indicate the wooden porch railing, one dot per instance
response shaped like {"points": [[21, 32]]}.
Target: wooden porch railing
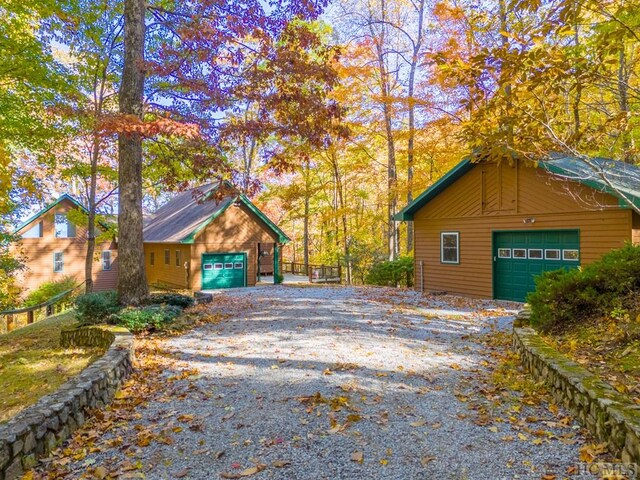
{"points": [[20, 317], [316, 273]]}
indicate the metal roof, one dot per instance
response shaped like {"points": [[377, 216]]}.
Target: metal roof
{"points": [[620, 179], [188, 213]]}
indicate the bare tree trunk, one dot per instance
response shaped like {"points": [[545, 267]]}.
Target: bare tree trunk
{"points": [[343, 211], [623, 102], [91, 220], [305, 231], [132, 281], [417, 47], [504, 28], [392, 180]]}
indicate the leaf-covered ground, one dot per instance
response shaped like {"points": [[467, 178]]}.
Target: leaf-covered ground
{"points": [[33, 364], [609, 347], [335, 383]]}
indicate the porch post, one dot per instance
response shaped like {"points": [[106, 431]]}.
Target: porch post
{"points": [[276, 264]]}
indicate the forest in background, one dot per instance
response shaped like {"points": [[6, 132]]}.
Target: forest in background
{"points": [[331, 117]]}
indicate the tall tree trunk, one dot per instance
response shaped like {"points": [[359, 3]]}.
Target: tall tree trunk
{"points": [[508, 126], [132, 281], [417, 47], [305, 231], [385, 91], [343, 212], [623, 102], [91, 220]]}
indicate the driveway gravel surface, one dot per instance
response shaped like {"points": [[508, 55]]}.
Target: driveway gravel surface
{"points": [[341, 383]]}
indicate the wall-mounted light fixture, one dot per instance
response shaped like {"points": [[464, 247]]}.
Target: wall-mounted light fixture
{"points": [[529, 220]]}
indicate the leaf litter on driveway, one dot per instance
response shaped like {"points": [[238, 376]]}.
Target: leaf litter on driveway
{"points": [[328, 382]]}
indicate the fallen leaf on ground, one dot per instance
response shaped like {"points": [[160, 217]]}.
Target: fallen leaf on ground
{"points": [[357, 456], [281, 463], [183, 473], [426, 460]]}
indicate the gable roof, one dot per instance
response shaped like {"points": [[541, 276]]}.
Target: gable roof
{"points": [[183, 217], [41, 212], [603, 174]]}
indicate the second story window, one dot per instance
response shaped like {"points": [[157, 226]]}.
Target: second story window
{"points": [[63, 227], [34, 232]]}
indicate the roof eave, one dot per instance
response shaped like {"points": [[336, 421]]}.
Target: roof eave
{"points": [[407, 213], [49, 207]]}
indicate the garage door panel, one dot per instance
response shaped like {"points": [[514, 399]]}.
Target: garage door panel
{"points": [[223, 270], [519, 257]]}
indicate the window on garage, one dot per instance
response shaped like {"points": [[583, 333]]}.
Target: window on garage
{"points": [[449, 247]]}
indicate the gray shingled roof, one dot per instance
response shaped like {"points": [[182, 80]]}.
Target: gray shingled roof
{"points": [[182, 215]]}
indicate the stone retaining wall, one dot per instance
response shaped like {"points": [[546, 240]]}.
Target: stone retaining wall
{"points": [[42, 427], [610, 416]]}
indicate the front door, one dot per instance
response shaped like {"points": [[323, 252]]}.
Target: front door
{"points": [[223, 270], [518, 257]]}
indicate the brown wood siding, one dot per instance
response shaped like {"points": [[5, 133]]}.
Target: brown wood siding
{"points": [[236, 230], [635, 224], [603, 225], [168, 274], [39, 255]]}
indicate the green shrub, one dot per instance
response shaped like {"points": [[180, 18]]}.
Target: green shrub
{"points": [[392, 273], [48, 290], [175, 299], [565, 298], [152, 317], [96, 307]]}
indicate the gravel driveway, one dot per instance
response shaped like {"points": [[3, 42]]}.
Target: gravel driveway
{"points": [[344, 383]]}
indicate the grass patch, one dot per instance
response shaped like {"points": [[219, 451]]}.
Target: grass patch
{"points": [[33, 364]]}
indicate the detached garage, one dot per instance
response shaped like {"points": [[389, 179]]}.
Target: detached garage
{"points": [[487, 230], [204, 239]]}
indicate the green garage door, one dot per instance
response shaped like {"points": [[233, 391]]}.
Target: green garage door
{"points": [[223, 270], [519, 256]]}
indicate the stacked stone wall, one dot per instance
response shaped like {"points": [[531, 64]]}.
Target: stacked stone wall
{"points": [[45, 425]]}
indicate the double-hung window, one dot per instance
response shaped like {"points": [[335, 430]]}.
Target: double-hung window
{"points": [[178, 258], [63, 227], [450, 247], [58, 262], [106, 260], [167, 257]]}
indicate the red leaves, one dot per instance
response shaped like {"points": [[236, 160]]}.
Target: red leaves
{"points": [[132, 125]]}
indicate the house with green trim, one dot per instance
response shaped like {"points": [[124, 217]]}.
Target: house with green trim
{"points": [[487, 229], [204, 238]]}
